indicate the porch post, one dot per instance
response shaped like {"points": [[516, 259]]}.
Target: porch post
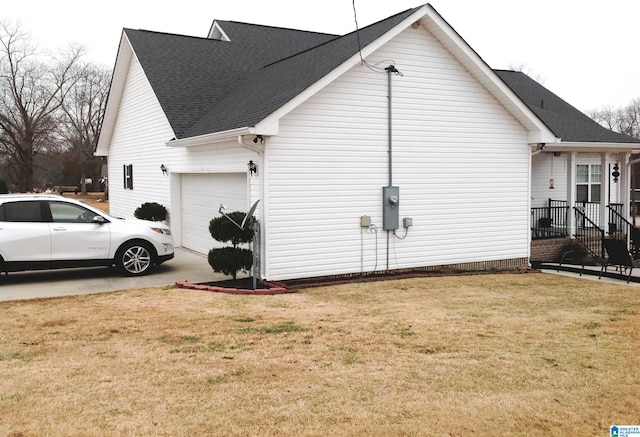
{"points": [[571, 193], [624, 184], [605, 178]]}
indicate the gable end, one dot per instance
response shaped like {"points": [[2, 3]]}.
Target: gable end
{"points": [[217, 33]]}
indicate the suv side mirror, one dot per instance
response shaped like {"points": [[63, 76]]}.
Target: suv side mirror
{"points": [[98, 219]]}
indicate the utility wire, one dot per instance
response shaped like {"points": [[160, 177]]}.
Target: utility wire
{"points": [[355, 18], [365, 63]]}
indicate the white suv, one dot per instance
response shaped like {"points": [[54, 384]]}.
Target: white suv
{"points": [[47, 232]]}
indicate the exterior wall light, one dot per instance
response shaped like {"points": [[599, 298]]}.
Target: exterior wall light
{"points": [[253, 168]]}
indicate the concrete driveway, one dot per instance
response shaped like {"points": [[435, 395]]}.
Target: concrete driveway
{"points": [[186, 265]]}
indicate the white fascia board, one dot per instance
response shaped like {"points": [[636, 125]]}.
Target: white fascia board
{"points": [[593, 147], [267, 127], [221, 137], [538, 131], [341, 69], [118, 79], [536, 137], [212, 138]]}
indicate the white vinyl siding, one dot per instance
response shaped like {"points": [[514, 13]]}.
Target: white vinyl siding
{"points": [[139, 139], [460, 160], [547, 166]]}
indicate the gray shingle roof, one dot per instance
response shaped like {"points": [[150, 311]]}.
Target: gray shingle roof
{"points": [[270, 87], [191, 75], [564, 120], [206, 85]]}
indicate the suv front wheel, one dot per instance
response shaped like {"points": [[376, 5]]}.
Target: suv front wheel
{"points": [[134, 258]]}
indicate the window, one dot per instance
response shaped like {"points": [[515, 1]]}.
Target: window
{"points": [[588, 183], [68, 213], [21, 212], [128, 176]]}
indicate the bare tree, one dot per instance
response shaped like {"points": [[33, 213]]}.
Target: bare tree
{"points": [[624, 120], [84, 108], [31, 94]]}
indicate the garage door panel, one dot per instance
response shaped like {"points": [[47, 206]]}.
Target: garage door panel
{"points": [[202, 195]]}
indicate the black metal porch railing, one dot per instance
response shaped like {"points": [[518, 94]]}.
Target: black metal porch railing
{"points": [[588, 233], [549, 221], [591, 210], [620, 228]]}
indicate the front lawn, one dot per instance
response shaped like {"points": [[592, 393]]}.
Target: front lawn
{"points": [[523, 354]]}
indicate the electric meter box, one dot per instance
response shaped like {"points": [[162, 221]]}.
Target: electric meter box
{"points": [[390, 208]]}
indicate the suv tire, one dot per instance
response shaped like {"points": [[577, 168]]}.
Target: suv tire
{"points": [[135, 258]]}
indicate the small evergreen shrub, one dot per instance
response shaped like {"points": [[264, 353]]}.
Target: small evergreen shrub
{"points": [[4, 189], [223, 230], [151, 211], [230, 260]]}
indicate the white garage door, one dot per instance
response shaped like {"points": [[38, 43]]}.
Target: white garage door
{"points": [[202, 195]]}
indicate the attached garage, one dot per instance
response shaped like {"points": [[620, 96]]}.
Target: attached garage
{"points": [[202, 195]]}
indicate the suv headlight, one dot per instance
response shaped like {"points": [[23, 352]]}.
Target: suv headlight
{"points": [[161, 231]]}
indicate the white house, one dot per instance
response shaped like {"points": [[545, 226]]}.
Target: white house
{"points": [[395, 147]]}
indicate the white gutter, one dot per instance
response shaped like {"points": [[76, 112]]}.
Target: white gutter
{"points": [[592, 147], [212, 138]]}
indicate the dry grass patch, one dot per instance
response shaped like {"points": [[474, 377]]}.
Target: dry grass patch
{"points": [[485, 355], [97, 200]]}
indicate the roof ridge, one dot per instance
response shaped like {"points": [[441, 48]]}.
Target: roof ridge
{"points": [[339, 37], [274, 27], [204, 38]]}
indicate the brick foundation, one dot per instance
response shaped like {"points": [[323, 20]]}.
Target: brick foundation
{"points": [[502, 264], [549, 249]]}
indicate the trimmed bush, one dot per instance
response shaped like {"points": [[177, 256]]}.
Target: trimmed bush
{"points": [[229, 260], [151, 211], [223, 230]]}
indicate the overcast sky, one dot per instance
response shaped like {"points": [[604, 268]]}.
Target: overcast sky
{"points": [[586, 51]]}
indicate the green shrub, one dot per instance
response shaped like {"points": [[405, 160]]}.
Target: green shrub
{"points": [[223, 230], [4, 188], [229, 260], [151, 211]]}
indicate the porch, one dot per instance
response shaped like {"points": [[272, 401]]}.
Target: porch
{"points": [[586, 224]]}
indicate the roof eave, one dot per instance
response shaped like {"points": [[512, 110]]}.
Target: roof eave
{"points": [[593, 147], [213, 138]]}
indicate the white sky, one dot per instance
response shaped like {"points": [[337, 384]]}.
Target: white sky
{"points": [[586, 51]]}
